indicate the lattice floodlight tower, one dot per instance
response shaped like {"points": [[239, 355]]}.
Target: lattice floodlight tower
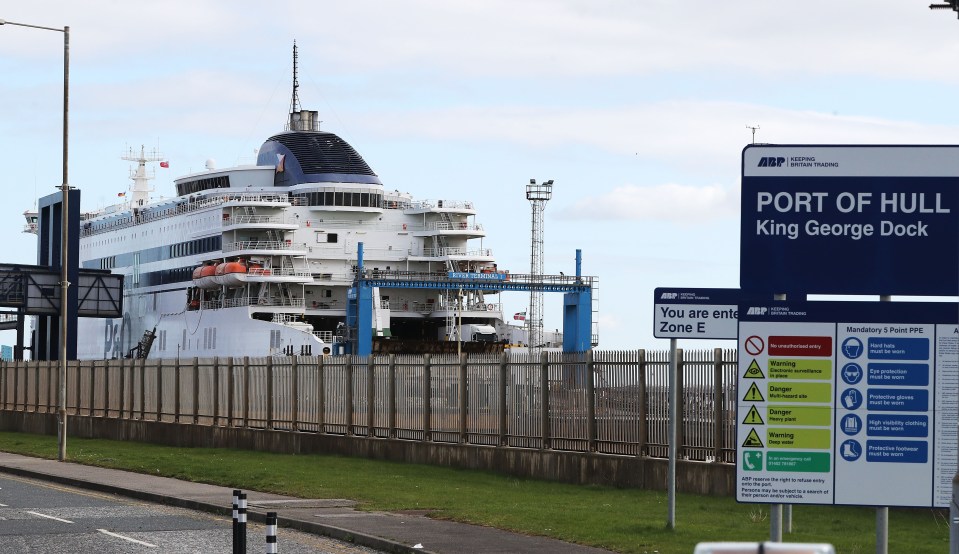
{"points": [[537, 195]]}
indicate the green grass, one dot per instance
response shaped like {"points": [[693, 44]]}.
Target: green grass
{"points": [[623, 520]]}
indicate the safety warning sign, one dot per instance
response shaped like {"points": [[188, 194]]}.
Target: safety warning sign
{"points": [[844, 398]]}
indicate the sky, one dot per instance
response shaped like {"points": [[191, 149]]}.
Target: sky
{"points": [[638, 111]]}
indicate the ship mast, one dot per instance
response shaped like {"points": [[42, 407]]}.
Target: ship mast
{"points": [[300, 119], [140, 191]]}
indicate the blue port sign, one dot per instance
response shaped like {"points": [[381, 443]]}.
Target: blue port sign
{"points": [[850, 219]]}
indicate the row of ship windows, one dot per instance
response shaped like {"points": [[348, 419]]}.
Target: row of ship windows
{"points": [[158, 253], [331, 198]]}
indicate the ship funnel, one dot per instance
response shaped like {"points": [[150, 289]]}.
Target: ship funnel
{"points": [[304, 120]]}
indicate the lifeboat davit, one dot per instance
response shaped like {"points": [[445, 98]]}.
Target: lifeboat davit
{"points": [[231, 274], [204, 276]]}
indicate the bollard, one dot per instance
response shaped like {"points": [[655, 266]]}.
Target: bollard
{"points": [[241, 522], [236, 523], [271, 533]]}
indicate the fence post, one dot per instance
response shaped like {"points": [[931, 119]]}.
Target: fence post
{"points": [[391, 398], [464, 400], [36, 386], [122, 388], [680, 404], [321, 394], [590, 403], [427, 398], [16, 379], [642, 415], [177, 400], [3, 384], [503, 410], [106, 388], [159, 381], [216, 391], [349, 395], [246, 391], [143, 388], [93, 387], [295, 393], [230, 395], [718, 405], [196, 390], [544, 397], [269, 393], [79, 366], [370, 395]]}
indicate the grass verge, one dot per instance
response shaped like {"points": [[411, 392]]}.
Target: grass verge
{"points": [[623, 520]]}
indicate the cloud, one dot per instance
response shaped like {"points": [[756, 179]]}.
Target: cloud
{"points": [[674, 202]]}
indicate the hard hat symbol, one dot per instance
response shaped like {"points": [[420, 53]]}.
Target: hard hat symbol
{"points": [[852, 347]]}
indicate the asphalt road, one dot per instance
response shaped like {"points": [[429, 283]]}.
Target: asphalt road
{"points": [[46, 518]]}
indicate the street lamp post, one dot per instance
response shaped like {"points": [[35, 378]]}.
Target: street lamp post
{"points": [[64, 236]]}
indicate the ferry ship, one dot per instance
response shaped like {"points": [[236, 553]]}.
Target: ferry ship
{"points": [[256, 260]]}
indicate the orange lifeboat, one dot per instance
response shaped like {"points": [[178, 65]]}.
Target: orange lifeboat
{"points": [[204, 276], [231, 274]]}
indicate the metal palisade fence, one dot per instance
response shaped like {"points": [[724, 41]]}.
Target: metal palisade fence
{"points": [[612, 402]]}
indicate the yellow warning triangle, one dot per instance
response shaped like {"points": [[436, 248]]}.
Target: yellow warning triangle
{"points": [[753, 394], [753, 440], [754, 371], [753, 417]]}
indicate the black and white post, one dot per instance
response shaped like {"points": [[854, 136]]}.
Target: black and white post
{"points": [[271, 533], [241, 523], [236, 521]]}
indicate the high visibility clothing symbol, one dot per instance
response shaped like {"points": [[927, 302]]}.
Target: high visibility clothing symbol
{"points": [[754, 371], [753, 394]]}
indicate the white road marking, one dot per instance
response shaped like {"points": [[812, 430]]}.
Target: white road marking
{"points": [[4, 506], [148, 545], [49, 517]]}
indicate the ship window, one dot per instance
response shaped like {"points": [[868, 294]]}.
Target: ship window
{"points": [[331, 237], [337, 198], [328, 198]]}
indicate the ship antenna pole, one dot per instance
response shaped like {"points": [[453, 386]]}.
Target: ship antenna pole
{"points": [[295, 101]]}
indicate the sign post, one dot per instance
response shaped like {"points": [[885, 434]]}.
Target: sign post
{"points": [[691, 314]]}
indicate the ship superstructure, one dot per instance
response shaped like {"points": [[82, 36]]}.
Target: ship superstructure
{"points": [[257, 259]]}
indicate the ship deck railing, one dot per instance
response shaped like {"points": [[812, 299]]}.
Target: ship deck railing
{"points": [[453, 226], [328, 337], [260, 245], [430, 204], [258, 219], [455, 251], [173, 208], [278, 272], [252, 301]]}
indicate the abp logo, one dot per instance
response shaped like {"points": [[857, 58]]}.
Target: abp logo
{"points": [[755, 310], [668, 296], [771, 161]]}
